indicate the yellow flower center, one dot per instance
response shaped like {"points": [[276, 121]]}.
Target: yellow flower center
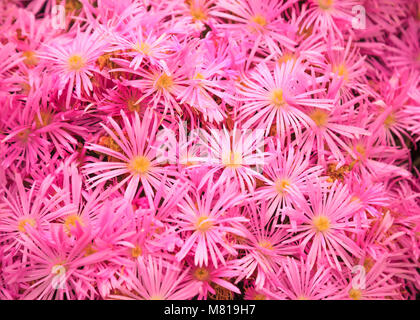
{"points": [[321, 223], [139, 165], [44, 119], [76, 62], [201, 274], [89, 250], [31, 59], [71, 221], [342, 71], [232, 160], [136, 252], [143, 48], [198, 76], [355, 199], [260, 296], [164, 82], [325, 4], [157, 297], [260, 20], [361, 150], [132, 104], [355, 294], [265, 244], [320, 117], [389, 121], [277, 98], [203, 224], [368, 263], [23, 222], [281, 185], [198, 14], [24, 135], [286, 57]]}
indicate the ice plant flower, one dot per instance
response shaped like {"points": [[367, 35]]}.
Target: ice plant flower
{"points": [[238, 155], [204, 220], [137, 158], [75, 61], [157, 279], [279, 98], [323, 224]]}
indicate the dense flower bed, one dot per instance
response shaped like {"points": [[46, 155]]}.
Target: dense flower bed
{"points": [[209, 149]]}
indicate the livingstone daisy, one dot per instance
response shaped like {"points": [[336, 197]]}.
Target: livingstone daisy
{"points": [[209, 150], [204, 221], [279, 98], [327, 221], [135, 154], [74, 61]]}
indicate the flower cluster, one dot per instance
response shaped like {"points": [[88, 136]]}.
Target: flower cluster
{"points": [[209, 149]]}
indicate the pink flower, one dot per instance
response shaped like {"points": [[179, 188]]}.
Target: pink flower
{"points": [[74, 60], [285, 179], [157, 279], [204, 222], [238, 156], [279, 99], [324, 225], [300, 282], [136, 156], [263, 249]]}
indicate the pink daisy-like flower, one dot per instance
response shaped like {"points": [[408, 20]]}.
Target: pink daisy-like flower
{"points": [[300, 282], [346, 62], [405, 51], [238, 155], [34, 207], [329, 17], [371, 285], [137, 156], [57, 267], [74, 60], [161, 85], [279, 99], [204, 221], [263, 247], [327, 129], [324, 224], [157, 279], [261, 21], [22, 145], [140, 47], [285, 177], [205, 276]]}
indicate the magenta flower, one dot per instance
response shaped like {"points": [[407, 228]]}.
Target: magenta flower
{"points": [[137, 158], [324, 224], [156, 279], [279, 99], [204, 222]]}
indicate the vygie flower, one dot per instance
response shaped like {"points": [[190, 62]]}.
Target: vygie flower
{"points": [[205, 221], [237, 154], [135, 155], [74, 61], [279, 99], [157, 279], [285, 179], [323, 226], [263, 247]]}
